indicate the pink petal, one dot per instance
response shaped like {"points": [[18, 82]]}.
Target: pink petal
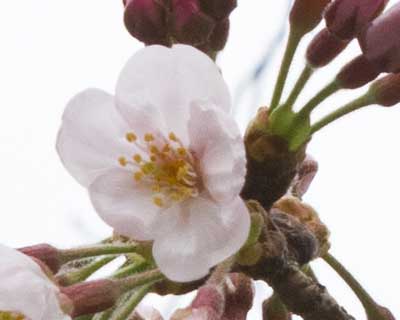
{"points": [[170, 79], [215, 138], [124, 205], [91, 137], [198, 235]]}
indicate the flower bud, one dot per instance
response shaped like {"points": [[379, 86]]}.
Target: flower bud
{"points": [[219, 36], [347, 18], [189, 24], [306, 14], [380, 42], [146, 20], [386, 90], [239, 294], [218, 9], [357, 73], [324, 48], [274, 309], [92, 296], [45, 253]]}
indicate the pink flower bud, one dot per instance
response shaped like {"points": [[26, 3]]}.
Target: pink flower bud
{"points": [[380, 43], [218, 9], [307, 14], [357, 73], [189, 24], [92, 296], [146, 20], [347, 18], [219, 36], [306, 173], [324, 48], [45, 253], [387, 90]]}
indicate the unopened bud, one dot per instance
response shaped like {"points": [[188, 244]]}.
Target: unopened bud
{"points": [[347, 18], [92, 296], [306, 14], [357, 73], [146, 20], [218, 9], [190, 25], [45, 253], [380, 42], [239, 294], [219, 36], [386, 91], [324, 48], [143, 312], [274, 309]]}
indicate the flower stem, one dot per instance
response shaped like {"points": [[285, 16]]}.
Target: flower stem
{"points": [[123, 312], [291, 47], [300, 84], [326, 92], [129, 283], [356, 104], [67, 255], [130, 269], [366, 300], [85, 272]]}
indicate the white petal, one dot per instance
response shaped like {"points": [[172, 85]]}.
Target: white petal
{"points": [[25, 289], [170, 79], [91, 138], [198, 236], [124, 205], [216, 140]]}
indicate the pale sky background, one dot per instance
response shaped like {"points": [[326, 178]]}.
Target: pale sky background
{"points": [[50, 50]]}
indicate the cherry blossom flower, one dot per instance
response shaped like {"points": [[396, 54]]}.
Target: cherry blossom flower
{"points": [[26, 293], [163, 160]]}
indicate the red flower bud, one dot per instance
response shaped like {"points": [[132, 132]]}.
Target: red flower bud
{"points": [[347, 18], [218, 9], [218, 38], [92, 296], [387, 90], [307, 14], [146, 20], [189, 24], [324, 48], [357, 73], [380, 43], [45, 253]]}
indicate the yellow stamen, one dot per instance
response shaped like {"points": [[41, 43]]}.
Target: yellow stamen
{"points": [[123, 162], [173, 137], [154, 149], [131, 137], [137, 158], [158, 202], [138, 176], [148, 137], [182, 151]]}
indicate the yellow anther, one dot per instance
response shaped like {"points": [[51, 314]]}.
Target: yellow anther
{"points": [[158, 202], [156, 188], [148, 168], [138, 176], [137, 158], [182, 151], [154, 149], [166, 148], [122, 161], [11, 316], [148, 137], [131, 137], [172, 137], [153, 158]]}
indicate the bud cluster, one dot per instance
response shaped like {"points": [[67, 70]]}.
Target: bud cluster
{"points": [[200, 23]]}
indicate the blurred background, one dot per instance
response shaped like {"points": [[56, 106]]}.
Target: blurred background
{"points": [[50, 50]]}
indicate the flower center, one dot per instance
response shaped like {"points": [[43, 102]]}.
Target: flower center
{"points": [[164, 165], [6, 315]]}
